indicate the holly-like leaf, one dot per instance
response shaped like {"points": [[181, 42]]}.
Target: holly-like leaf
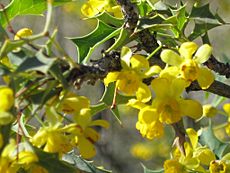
{"points": [[86, 44], [209, 139], [82, 164], [39, 63], [202, 12], [108, 100], [204, 21], [202, 28], [153, 23], [26, 7], [109, 19], [52, 163]]}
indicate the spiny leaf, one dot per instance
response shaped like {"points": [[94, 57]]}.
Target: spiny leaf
{"points": [[202, 12], [86, 44], [209, 139], [108, 98], [39, 63], [26, 7], [82, 164], [109, 19], [52, 163], [153, 23], [201, 28]]}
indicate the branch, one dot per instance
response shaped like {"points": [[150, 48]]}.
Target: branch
{"points": [[217, 87], [221, 68], [147, 41]]}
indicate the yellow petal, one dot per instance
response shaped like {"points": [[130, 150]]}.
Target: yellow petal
{"points": [[209, 111], [193, 136], [7, 98], [101, 123], [160, 86], [178, 85], [24, 32], [147, 115], [205, 77], [170, 57], [27, 157], [111, 77], [170, 72], [136, 104], [126, 55], [86, 148], [226, 108], [187, 49], [143, 93], [205, 155], [203, 53], [153, 70], [191, 108], [6, 118], [116, 10], [91, 135], [139, 62]]}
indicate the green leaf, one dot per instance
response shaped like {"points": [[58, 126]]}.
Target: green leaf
{"points": [[38, 63], [153, 23], [202, 12], [98, 108], [109, 19], [146, 170], [144, 8], [108, 99], [22, 129], [9, 46], [181, 17], [3, 35], [26, 7], [209, 139], [82, 164], [86, 44], [201, 28], [121, 40], [56, 72], [52, 163]]}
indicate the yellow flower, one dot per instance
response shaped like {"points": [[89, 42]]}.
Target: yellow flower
{"points": [[6, 158], [84, 136], [209, 111], [168, 102], [52, 139], [142, 151], [218, 166], [226, 108], [148, 123], [24, 32], [129, 80], [189, 66], [173, 166], [7, 99], [93, 7], [71, 103]]}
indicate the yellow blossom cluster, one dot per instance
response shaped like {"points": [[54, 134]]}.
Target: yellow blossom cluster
{"points": [[196, 158], [58, 138], [93, 7], [167, 106]]}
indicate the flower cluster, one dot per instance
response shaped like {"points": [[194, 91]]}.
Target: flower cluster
{"points": [[167, 105], [93, 7], [196, 158], [58, 138]]}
